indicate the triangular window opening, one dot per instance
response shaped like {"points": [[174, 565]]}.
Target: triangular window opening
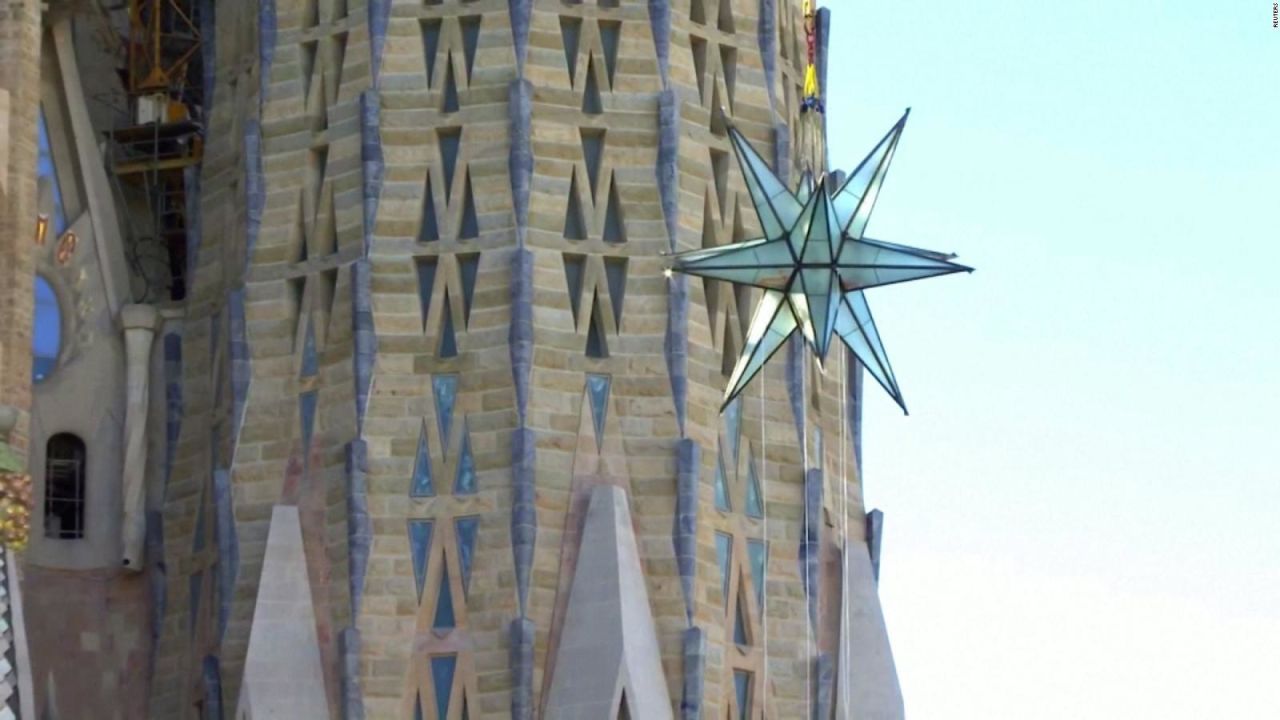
{"points": [[448, 339], [720, 176], [592, 150], [430, 231], [609, 32], [421, 485], [729, 66], [615, 273], [308, 67], [466, 530], [741, 634], [470, 223], [445, 388], [420, 548], [569, 31], [755, 508], [430, 43], [574, 269], [307, 414], [597, 347], [591, 92], [337, 55], [742, 691], [725, 21], [329, 235], [574, 225], [444, 617], [449, 140], [698, 12], [721, 487], [614, 228], [450, 104], [470, 40], [718, 124], [698, 46], [598, 391], [464, 482], [442, 671], [296, 287], [729, 352], [300, 254], [468, 267], [426, 284]]}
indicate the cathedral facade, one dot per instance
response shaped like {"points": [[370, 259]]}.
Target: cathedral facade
{"points": [[337, 352]]}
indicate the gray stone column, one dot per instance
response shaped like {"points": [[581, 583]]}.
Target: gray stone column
{"points": [[139, 323]]}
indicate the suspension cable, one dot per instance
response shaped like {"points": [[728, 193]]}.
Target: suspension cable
{"points": [[764, 512]]}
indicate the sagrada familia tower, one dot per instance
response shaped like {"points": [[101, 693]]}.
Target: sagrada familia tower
{"points": [[343, 373]]}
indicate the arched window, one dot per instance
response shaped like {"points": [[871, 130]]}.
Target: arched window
{"points": [[64, 466], [46, 331]]}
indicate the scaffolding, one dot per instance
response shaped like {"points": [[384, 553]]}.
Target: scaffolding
{"points": [[163, 137]]}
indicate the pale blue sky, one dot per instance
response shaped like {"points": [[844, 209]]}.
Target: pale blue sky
{"points": [[1083, 510]]}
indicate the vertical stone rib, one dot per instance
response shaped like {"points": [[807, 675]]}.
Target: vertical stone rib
{"points": [[228, 547], [522, 637], [524, 518], [359, 544], [874, 532], [520, 161], [366, 339], [211, 676], [822, 33], [782, 152], [694, 652], [352, 699], [254, 186], [520, 12], [685, 531], [172, 402], [795, 380], [379, 20], [156, 582], [359, 526], [240, 362], [371, 160], [676, 345], [809, 550], [660, 25], [373, 168], [266, 49], [766, 39]]}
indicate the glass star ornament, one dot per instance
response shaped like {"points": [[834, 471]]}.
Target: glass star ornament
{"points": [[813, 263]]}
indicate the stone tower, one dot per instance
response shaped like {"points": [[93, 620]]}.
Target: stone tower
{"points": [[431, 434]]}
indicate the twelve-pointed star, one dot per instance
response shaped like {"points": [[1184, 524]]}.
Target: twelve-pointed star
{"points": [[813, 263]]}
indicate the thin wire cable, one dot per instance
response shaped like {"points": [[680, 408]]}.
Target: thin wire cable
{"points": [[842, 635], [804, 538], [764, 512]]}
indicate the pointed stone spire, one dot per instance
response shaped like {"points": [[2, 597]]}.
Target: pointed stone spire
{"points": [[867, 685], [609, 647], [283, 678]]}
